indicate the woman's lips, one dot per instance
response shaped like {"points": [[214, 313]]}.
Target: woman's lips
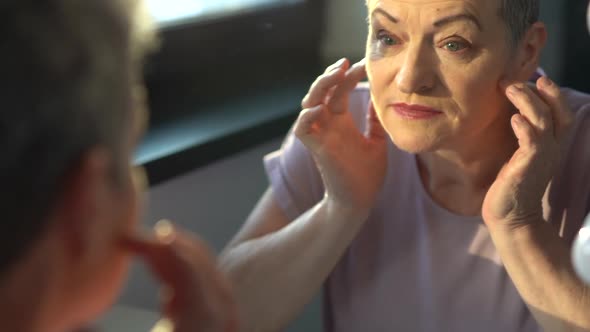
{"points": [[415, 112]]}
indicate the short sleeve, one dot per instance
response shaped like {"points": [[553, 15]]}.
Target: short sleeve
{"points": [[294, 178]]}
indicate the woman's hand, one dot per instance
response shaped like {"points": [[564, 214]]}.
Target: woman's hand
{"points": [[196, 296], [352, 164], [515, 198]]}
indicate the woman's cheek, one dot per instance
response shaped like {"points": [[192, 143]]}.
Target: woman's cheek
{"points": [[374, 51], [468, 78], [379, 75]]}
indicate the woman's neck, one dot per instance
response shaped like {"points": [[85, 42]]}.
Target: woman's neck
{"points": [[459, 178], [20, 293], [28, 296]]}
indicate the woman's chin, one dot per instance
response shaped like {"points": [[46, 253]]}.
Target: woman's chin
{"points": [[414, 144], [416, 136]]}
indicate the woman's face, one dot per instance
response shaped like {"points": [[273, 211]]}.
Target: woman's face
{"points": [[445, 55]]}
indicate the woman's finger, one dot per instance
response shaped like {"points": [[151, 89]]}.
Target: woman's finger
{"points": [[336, 65], [340, 96], [213, 294], [307, 123], [158, 253], [531, 106], [524, 131], [561, 114], [322, 85], [199, 297], [524, 156]]}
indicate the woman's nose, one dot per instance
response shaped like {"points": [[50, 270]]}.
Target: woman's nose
{"points": [[416, 74]]}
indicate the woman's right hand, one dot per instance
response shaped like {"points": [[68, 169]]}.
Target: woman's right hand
{"points": [[352, 164]]}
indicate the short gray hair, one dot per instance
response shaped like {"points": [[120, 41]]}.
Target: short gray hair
{"points": [[67, 68], [519, 16]]}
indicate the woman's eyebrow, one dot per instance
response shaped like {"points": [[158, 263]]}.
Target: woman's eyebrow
{"points": [[441, 22], [386, 14], [458, 17]]}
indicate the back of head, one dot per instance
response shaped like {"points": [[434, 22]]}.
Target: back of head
{"points": [[66, 70]]}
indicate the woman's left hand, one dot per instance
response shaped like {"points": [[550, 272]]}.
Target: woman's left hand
{"points": [[515, 198], [198, 297]]}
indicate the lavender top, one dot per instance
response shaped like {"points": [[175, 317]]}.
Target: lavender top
{"points": [[416, 266]]}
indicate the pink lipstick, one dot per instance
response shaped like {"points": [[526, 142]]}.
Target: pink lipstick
{"points": [[415, 112]]}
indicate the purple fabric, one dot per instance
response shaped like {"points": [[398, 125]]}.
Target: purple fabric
{"points": [[416, 266]]}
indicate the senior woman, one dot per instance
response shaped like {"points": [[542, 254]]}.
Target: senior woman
{"points": [[442, 197]]}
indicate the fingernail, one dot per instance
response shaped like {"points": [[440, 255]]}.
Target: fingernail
{"points": [[340, 62], [545, 82], [164, 230], [514, 89], [337, 66], [518, 121]]}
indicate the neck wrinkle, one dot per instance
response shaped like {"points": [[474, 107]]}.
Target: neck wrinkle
{"points": [[476, 162]]}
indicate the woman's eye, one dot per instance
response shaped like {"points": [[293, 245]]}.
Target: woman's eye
{"points": [[386, 39], [455, 46]]}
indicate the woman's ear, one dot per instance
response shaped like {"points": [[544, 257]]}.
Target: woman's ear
{"points": [[84, 203], [528, 53]]}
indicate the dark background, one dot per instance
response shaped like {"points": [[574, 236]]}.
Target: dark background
{"points": [[576, 53]]}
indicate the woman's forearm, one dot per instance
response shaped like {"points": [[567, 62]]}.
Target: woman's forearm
{"points": [[538, 262], [275, 276]]}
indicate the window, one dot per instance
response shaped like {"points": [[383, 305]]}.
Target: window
{"points": [[230, 74], [174, 12], [226, 48]]}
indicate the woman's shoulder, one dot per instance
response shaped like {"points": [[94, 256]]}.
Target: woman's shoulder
{"points": [[362, 87], [570, 192], [359, 100], [579, 102], [360, 97]]}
